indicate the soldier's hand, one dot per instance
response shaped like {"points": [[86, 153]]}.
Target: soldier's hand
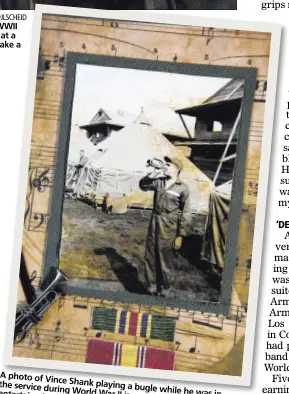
{"points": [[156, 175], [178, 243]]}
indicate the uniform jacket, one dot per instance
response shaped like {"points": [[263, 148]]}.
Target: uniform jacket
{"points": [[171, 203], [169, 219]]}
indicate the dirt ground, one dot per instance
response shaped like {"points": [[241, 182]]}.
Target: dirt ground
{"points": [[107, 252]]}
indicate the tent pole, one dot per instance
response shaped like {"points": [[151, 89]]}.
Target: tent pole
{"points": [[185, 126], [223, 158]]}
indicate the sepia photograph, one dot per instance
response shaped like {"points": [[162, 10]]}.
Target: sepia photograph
{"points": [[141, 230], [149, 171]]}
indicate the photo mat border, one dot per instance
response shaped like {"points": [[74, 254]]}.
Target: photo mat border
{"points": [[275, 30], [54, 227]]}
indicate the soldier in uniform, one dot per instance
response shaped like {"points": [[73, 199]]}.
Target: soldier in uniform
{"points": [[168, 224]]}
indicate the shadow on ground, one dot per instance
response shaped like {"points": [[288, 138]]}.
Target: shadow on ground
{"points": [[125, 272]]}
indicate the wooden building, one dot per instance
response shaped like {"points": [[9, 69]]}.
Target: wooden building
{"points": [[106, 122], [214, 121]]}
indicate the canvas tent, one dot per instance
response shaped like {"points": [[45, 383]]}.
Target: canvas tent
{"points": [[217, 223], [120, 162]]}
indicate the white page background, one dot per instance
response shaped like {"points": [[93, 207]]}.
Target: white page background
{"points": [[13, 85]]}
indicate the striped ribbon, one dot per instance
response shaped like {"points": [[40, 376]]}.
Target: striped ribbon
{"points": [[127, 355], [133, 323]]}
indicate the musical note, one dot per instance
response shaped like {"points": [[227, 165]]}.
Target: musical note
{"points": [[156, 52], [36, 339], [61, 302], [114, 48], [56, 58], [80, 302], [38, 221], [47, 65], [85, 331], [42, 181], [252, 189], [60, 61], [31, 341], [209, 33], [43, 67], [260, 90]]}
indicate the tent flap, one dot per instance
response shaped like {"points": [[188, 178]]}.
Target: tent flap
{"points": [[216, 229]]}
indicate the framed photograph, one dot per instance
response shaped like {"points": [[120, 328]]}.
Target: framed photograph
{"points": [[133, 218], [146, 158]]}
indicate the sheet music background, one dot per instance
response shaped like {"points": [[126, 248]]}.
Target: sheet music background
{"points": [[63, 334]]}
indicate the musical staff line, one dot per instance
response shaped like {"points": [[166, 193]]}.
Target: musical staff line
{"points": [[122, 25], [100, 36], [76, 344], [240, 57]]}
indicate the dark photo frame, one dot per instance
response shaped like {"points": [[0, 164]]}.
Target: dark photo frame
{"points": [[54, 229]]}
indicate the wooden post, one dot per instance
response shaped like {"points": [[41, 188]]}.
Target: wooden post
{"points": [[185, 126], [227, 147]]}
